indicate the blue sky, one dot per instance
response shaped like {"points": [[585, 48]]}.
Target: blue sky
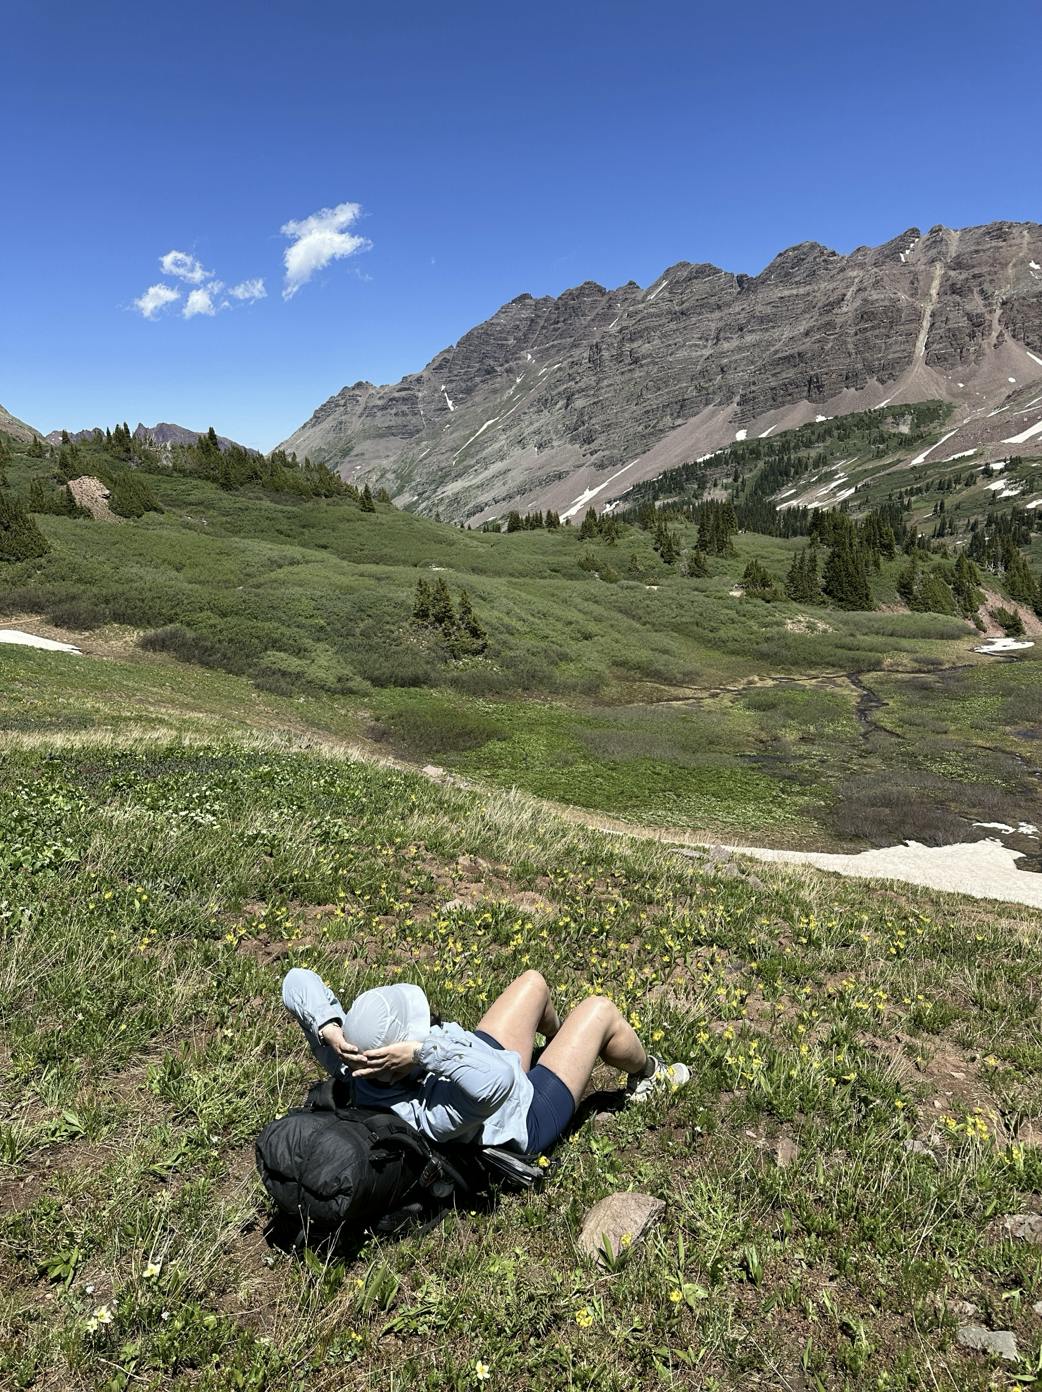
{"points": [[490, 149]]}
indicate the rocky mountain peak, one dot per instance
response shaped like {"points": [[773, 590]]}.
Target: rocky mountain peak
{"points": [[558, 399]]}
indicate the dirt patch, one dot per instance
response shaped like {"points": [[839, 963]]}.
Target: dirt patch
{"points": [[113, 640], [92, 496], [953, 1079], [992, 600]]}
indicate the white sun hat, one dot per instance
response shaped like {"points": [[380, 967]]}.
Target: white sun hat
{"points": [[388, 1015]]}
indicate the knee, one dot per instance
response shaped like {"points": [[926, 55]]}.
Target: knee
{"points": [[534, 980], [601, 1008], [292, 986]]}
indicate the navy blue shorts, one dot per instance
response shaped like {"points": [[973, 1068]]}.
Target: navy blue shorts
{"points": [[552, 1107]]}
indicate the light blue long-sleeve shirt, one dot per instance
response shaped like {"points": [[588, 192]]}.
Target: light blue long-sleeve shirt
{"points": [[468, 1091]]}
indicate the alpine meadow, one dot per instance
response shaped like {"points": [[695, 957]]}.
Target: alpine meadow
{"points": [[645, 674]]}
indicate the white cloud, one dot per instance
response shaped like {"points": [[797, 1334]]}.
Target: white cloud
{"points": [[184, 267], [248, 290], [317, 240], [155, 298], [201, 301]]}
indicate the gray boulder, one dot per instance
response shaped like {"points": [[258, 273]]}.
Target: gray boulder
{"points": [[618, 1223], [1000, 1343]]}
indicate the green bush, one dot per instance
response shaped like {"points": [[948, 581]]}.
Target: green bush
{"points": [[81, 613], [439, 728], [20, 537]]}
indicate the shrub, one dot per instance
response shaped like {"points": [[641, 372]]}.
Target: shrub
{"points": [[1009, 621], [20, 537], [403, 666], [79, 612], [188, 646], [440, 728]]}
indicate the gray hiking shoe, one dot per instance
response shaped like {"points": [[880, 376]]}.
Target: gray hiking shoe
{"points": [[672, 1075]]}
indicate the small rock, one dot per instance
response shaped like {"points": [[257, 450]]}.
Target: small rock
{"points": [[719, 853], [451, 905], [1000, 1342], [785, 1152], [1037, 1307], [754, 882], [727, 870], [964, 1308], [602, 1119], [1023, 1227], [618, 1223], [433, 771], [914, 1146]]}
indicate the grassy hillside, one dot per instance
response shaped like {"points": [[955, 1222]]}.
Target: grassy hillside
{"points": [[884, 1045], [862, 460], [611, 679], [317, 595]]}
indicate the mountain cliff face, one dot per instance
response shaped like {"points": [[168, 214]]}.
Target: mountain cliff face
{"points": [[559, 402]]}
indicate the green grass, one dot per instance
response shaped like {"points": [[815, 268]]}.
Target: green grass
{"points": [[785, 762], [625, 696], [315, 596], [153, 892]]}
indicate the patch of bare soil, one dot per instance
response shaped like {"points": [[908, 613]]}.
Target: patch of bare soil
{"points": [[992, 600], [111, 641], [953, 1078]]}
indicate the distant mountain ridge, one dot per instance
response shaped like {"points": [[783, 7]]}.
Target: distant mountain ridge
{"points": [[163, 435], [556, 402], [11, 425]]}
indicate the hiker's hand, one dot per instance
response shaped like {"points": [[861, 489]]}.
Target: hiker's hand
{"points": [[392, 1062], [333, 1036]]}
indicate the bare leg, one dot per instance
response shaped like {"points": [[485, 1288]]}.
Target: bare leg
{"points": [[523, 1010], [595, 1029]]}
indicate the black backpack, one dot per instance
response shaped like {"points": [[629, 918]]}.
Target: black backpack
{"points": [[332, 1165]]}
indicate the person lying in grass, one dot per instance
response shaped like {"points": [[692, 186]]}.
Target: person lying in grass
{"points": [[454, 1084]]}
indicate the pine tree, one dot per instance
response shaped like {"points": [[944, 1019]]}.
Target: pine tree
{"points": [[20, 537], [473, 638], [514, 521], [801, 581], [935, 596], [590, 526], [421, 605], [39, 495], [365, 501], [758, 582], [666, 544], [552, 521], [1020, 583], [442, 614], [965, 585], [696, 567], [845, 579]]}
